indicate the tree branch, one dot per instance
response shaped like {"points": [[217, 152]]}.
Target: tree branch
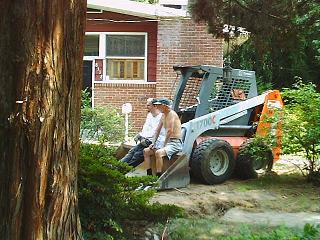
{"points": [[260, 12]]}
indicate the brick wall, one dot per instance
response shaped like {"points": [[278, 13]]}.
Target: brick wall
{"points": [[183, 42], [179, 42], [116, 94]]}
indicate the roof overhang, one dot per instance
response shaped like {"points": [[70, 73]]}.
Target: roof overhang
{"points": [[174, 2], [152, 11]]}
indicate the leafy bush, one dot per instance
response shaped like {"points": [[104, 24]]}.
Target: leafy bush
{"points": [[107, 198], [301, 128], [102, 124], [257, 152], [259, 149]]}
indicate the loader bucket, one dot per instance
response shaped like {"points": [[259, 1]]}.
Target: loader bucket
{"points": [[176, 176]]}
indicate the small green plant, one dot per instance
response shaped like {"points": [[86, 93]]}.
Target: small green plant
{"points": [[259, 149], [301, 128], [107, 198], [102, 124], [256, 155]]}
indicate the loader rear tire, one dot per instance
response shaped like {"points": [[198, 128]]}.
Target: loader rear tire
{"points": [[248, 165], [212, 161]]}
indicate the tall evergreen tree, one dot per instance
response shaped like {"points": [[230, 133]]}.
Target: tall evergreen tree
{"points": [[283, 35], [41, 48]]}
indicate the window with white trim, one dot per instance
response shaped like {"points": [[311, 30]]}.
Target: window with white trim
{"points": [[126, 56], [123, 55]]}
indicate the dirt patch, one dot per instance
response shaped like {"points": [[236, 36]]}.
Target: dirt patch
{"points": [[283, 191], [200, 200], [203, 200]]}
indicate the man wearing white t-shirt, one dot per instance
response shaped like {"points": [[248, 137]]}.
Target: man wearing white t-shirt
{"points": [[135, 155]]}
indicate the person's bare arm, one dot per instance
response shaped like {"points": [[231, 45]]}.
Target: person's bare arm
{"points": [[156, 134], [170, 126]]}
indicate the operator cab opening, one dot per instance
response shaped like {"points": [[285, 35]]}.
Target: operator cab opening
{"points": [[206, 89]]}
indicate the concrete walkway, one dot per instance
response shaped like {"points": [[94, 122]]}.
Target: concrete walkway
{"points": [[272, 218]]}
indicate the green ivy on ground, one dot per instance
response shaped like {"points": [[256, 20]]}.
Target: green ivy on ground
{"points": [[212, 228], [309, 232]]}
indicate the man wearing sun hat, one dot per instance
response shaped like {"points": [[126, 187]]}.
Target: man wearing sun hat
{"points": [[171, 123], [135, 156]]}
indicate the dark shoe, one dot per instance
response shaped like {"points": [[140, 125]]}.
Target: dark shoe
{"points": [[149, 172]]}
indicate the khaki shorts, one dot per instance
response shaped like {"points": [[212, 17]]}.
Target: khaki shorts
{"points": [[173, 146]]}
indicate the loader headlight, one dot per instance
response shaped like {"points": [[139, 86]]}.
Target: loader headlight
{"points": [[227, 70]]}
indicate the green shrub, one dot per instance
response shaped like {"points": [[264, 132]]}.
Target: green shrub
{"points": [[301, 128], [102, 124], [259, 148], [107, 198]]}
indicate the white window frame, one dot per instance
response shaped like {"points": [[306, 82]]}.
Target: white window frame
{"points": [[102, 55]]}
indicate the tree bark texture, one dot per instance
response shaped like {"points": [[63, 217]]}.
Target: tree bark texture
{"points": [[41, 51]]}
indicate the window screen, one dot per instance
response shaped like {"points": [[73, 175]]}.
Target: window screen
{"points": [[91, 47], [125, 45]]}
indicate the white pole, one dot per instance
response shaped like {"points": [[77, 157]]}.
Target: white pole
{"points": [[126, 138], [126, 109]]}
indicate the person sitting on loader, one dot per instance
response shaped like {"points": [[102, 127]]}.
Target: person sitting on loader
{"points": [[238, 94], [135, 155], [172, 144]]}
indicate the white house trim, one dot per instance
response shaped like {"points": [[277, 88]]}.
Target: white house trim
{"points": [[138, 9]]}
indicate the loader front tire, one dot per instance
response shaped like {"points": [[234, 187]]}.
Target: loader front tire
{"points": [[212, 161], [249, 162]]}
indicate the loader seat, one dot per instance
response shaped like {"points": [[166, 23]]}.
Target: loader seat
{"points": [[166, 162], [186, 116]]}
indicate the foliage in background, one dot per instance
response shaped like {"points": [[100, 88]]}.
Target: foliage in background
{"points": [[102, 124], [284, 38], [107, 198], [301, 128], [278, 67], [245, 57]]}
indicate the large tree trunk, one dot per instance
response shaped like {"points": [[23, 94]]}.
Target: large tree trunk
{"points": [[41, 48]]}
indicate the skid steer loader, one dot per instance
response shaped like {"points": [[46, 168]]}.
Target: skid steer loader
{"points": [[220, 112]]}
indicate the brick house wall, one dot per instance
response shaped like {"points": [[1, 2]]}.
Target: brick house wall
{"points": [[116, 94], [175, 41], [183, 42]]}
